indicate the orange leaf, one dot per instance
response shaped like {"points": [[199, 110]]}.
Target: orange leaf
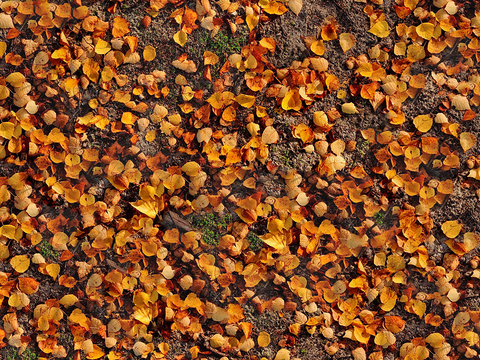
{"points": [[210, 58], [28, 285], [394, 324], [292, 100], [433, 320], [120, 27]]}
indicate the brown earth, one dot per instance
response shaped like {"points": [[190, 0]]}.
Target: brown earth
{"points": [[288, 31]]}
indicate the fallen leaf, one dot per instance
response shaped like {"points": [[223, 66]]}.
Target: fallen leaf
{"points": [[180, 38], [380, 29], [20, 263], [295, 6], [451, 229], [149, 53], [347, 41]]}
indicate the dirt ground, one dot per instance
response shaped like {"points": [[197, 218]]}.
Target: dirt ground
{"points": [[399, 222]]}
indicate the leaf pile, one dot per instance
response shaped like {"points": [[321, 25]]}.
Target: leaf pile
{"points": [[105, 244]]}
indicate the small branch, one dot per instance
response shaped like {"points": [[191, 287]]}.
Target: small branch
{"points": [[207, 345]]}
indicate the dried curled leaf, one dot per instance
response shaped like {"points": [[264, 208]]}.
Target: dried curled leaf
{"points": [[185, 65], [295, 6], [347, 41], [467, 141], [6, 21]]}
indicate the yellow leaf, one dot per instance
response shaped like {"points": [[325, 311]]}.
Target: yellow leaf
{"points": [[451, 229], [252, 21], [282, 354], [8, 231], [149, 53], [68, 300], [4, 93], [194, 352], [472, 338], [304, 132], [380, 29], [435, 340], [72, 195], [415, 52], [4, 252], [292, 101], [277, 241], [20, 263], [128, 118], [143, 314], [423, 123], [317, 47], [174, 182], [411, 4], [349, 108], [180, 38], [15, 79], [217, 341], [191, 168], [53, 270], [97, 353], [251, 62], [149, 208], [3, 48], [151, 135], [425, 30], [381, 339], [263, 339], [419, 307], [395, 263], [275, 226], [268, 43], [246, 101], [102, 47]]}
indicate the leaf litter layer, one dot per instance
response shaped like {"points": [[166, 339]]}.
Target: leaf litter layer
{"points": [[252, 179]]}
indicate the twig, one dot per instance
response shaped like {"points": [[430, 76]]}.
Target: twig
{"points": [[207, 345], [115, 266], [177, 221]]}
